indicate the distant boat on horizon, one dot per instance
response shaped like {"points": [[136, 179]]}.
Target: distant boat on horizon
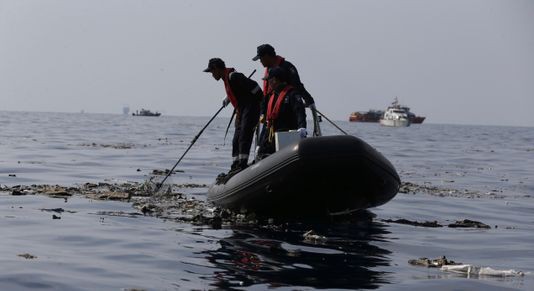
{"points": [[395, 115], [145, 112], [376, 115], [366, 116]]}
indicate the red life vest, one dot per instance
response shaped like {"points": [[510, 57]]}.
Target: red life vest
{"points": [[266, 89], [273, 109], [229, 93]]}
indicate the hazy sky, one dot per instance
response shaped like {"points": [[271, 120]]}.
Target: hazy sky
{"points": [[464, 61]]}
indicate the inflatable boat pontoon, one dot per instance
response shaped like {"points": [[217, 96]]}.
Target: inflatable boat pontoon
{"points": [[314, 177]]}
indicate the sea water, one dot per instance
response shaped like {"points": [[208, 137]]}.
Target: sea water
{"points": [[481, 173]]}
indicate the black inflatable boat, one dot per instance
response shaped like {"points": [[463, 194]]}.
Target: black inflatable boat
{"points": [[315, 177]]}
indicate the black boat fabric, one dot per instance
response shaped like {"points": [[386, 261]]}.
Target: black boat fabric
{"points": [[315, 177]]}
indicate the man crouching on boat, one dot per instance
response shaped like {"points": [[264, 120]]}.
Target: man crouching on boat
{"points": [[285, 110], [245, 95]]}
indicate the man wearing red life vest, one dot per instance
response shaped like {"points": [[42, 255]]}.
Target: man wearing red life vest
{"points": [[269, 59], [245, 95], [285, 110]]}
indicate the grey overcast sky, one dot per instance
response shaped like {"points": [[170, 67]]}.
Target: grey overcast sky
{"points": [[454, 61]]}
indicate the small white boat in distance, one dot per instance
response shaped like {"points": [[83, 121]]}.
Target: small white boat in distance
{"points": [[395, 116]]}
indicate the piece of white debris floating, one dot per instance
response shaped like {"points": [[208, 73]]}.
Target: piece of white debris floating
{"points": [[312, 236], [471, 270]]}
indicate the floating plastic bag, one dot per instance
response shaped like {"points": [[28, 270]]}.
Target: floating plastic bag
{"points": [[470, 270]]}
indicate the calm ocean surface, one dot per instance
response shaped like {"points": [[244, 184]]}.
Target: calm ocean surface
{"points": [[482, 173]]}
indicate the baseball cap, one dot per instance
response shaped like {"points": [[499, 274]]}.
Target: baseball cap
{"points": [[264, 49], [214, 63]]}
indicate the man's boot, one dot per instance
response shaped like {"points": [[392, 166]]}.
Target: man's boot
{"points": [[234, 165], [240, 166], [243, 164]]}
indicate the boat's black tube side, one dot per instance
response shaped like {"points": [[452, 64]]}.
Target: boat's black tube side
{"points": [[351, 171], [317, 176], [345, 145], [255, 179]]}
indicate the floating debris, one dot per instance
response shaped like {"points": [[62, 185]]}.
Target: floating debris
{"points": [[17, 192], [119, 213], [192, 185], [466, 223], [57, 210], [120, 146], [312, 236], [165, 172], [412, 188], [432, 263], [170, 204], [120, 196], [470, 270], [415, 223], [27, 256], [58, 193]]}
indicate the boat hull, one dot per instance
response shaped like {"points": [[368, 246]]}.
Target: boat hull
{"points": [[315, 177], [151, 114], [417, 119], [395, 122], [369, 116]]}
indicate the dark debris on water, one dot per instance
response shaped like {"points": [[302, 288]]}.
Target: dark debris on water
{"points": [[27, 256], [414, 223], [432, 263], [170, 204], [465, 223], [413, 188], [173, 204]]}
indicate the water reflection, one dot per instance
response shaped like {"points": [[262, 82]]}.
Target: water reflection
{"points": [[347, 256]]}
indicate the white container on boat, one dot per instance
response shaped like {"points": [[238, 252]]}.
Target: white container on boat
{"points": [[285, 138]]}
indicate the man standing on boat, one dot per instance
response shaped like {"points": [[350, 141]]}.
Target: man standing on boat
{"points": [[245, 95], [269, 59], [285, 110]]}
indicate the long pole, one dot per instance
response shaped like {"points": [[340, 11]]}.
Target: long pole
{"points": [[331, 122], [159, 185], [228, 127], [187, 150]]}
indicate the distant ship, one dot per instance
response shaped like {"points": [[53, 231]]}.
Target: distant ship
{"points": [[415, 119], [369, 116], [145, 112], [375, 115], [395, 115]]}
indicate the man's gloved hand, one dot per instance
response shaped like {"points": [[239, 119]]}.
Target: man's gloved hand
{"points": [[302, 132], [262, 118], [312, 107], [225, 102]]}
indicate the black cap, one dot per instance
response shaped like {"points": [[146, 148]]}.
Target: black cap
{"points": [[215, 63], [264, 49], [277, 72]]}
